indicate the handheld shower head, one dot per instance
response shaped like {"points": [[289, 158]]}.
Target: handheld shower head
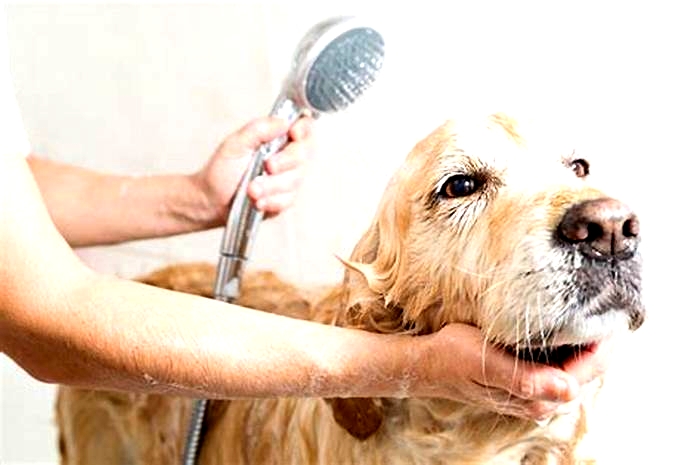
{"points": [[334, 64]]}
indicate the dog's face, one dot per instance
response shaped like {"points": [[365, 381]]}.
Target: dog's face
{"points": [[477, 228]]}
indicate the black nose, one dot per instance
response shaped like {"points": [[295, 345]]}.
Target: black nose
{"points": [[602, 229]]}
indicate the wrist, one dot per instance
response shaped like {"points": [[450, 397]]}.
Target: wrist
{"points": [[197, 205], [418, 355], [403, 366]]}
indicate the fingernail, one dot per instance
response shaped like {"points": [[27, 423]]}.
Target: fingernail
{"points": [[566, 390]]}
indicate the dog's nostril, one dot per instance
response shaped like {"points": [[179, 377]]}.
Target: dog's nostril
{"points": [[601, 228], [594, 232], [631, 227]]}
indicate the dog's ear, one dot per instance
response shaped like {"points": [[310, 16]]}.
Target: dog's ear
{"points": [[361, 417], [370, 294], [375, 264], [364, 304]]}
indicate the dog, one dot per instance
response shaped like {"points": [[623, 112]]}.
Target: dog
{"points": [[474, 227]]}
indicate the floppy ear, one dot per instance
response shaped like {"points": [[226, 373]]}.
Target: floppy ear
{"points": [[375, 267], [361, 417], [363, 304]]}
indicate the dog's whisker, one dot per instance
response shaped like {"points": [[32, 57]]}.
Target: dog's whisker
{"points": [[527, 333], [543, 338], [485, 344], [514, 376]]}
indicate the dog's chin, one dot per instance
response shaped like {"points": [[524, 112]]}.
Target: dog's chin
{"points": [[576, 342]]}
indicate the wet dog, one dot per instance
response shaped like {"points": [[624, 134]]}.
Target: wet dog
{"points": [[474, 227]]}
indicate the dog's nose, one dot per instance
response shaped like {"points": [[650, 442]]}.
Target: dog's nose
{"points": [[602, 228]]}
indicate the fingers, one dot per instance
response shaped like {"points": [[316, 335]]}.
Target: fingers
{"points": [[272, 194], [526, 380], [301, 129], [490, 366], [462, 367], [265, 129], [505, 403], [254, 134], [277, 190], [294, 155]]}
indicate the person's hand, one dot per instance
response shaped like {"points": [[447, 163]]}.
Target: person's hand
{"points": [[460, 366], [271, 193]]}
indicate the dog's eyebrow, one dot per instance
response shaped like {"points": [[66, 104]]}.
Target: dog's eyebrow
{"points": [[459, 162], [570, 157]]}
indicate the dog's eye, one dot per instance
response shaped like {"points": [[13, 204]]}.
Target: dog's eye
{"points": [[580, 167], [459, 186]]}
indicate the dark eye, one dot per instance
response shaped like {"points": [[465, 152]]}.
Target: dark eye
{"points": [[580, 167], [459, 186]]}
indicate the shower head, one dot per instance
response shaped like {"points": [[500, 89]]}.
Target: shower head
{"points": [[334, 63]]}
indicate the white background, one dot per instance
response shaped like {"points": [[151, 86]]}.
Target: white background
{"points": [[136, 88]]}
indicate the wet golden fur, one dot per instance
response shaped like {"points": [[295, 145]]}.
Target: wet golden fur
{"points": [[423, 262]]}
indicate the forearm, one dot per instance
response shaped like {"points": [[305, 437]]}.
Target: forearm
{"points": [[189, 345], [66, 324], [92, 208]]}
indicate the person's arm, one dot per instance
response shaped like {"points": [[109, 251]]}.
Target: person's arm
{"points": [[64, 323], [92, 208]]}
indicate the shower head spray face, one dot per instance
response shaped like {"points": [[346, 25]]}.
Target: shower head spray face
{"points": [[334, 64]]}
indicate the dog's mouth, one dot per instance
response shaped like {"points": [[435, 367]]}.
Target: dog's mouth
{"points": [[559, 356]]}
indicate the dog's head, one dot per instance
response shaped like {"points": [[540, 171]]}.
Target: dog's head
{"points": [[475, 227]]}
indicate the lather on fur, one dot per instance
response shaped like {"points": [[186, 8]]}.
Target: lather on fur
{"points": [[474, 227]]}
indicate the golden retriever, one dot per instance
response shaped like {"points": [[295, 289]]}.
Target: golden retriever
{"points": [[474, 227]]}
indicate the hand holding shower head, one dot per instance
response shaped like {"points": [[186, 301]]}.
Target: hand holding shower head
{"points": [[334, 64]]}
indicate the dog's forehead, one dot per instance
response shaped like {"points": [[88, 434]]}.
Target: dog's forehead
{"points": [[492, 143], [495, 143], [487, 145]]}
